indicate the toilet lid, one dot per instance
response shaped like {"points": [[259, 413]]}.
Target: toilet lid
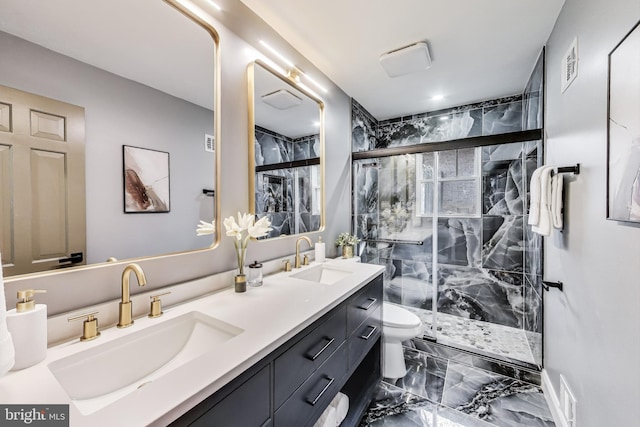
{"points": [[393, 315]]}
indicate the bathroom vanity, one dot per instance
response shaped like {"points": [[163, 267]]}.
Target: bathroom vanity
{"points": [[296, 382], [273, 356]]}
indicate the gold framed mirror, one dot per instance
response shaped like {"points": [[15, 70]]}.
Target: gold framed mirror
{"points": [[143, 74], [286, 152]]}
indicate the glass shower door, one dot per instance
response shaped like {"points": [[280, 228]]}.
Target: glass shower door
{"points": [[394, 235]]}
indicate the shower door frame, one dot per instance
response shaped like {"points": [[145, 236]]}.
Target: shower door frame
{"points": [[457, 144]]}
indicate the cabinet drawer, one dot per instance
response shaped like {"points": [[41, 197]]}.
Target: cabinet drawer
{"points": [[294, 366], [314, 394], [362, 304], [232, 410], [364, 337]]}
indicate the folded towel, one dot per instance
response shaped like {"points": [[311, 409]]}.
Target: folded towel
{"points": [[543, 226], [556, 201], [534, 195], [7, 352], [327, 419], [341, 403]]}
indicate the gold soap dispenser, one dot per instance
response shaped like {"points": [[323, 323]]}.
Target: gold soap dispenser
{"points": [[27, 324]]}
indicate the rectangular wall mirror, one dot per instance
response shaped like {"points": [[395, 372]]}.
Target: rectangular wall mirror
{"points": [[286, 146], [99, 76]]}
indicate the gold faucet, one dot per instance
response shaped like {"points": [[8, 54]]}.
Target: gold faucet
{"points": [[301, 238], [126, 308]]}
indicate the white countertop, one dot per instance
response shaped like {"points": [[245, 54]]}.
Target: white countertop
{"points": [[269, 315]]}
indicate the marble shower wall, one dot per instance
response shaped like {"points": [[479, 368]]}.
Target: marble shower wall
{"points": [[364, 128], [272, 148], [275, 195], [489, 266], [486, 118]]}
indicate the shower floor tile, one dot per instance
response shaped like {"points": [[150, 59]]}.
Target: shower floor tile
{"points": [[498, 341]]}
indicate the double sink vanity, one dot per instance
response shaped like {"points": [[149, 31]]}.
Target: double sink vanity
{"points": [[273, 356]]}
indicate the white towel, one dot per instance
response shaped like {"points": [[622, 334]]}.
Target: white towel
{"points": [[328, 418], [543, 225], [7, 352], [556, 201], [341, 403], [534, 193]]}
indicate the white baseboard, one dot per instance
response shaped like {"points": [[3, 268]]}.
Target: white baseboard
{"points": [[552, 400]]}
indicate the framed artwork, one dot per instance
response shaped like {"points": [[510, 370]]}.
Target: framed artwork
{"points": [[623, 144], [146, 180]]}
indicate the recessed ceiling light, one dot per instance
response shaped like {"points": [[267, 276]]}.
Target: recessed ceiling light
{"points": [[437, 97]]}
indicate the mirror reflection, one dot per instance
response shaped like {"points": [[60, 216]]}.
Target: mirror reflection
{"points": [[285, 153], [128, 81]]}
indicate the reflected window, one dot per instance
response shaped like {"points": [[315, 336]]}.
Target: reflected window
{"points": [[448, 181]]}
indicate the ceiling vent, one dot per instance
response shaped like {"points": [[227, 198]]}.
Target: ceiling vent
{"points": [[281, 99], [406, 60]]}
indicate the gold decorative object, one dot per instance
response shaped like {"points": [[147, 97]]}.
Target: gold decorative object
{"points": [[240, 283], [347, 242], [347, 251]]}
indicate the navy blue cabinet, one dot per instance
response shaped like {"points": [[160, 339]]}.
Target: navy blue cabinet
{"points": [[293, 385]]}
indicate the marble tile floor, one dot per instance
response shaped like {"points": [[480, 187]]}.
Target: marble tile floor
{"points": [[502, 342], [441, 393]]}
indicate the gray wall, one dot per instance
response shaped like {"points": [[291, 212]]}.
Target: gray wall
{"points": [[122, 112], [592, 329], [74, 289]]}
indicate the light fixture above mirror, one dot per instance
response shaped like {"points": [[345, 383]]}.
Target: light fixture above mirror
{"points": [[286, 152]]}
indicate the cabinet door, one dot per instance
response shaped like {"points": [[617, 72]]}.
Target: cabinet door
{"points": [[246, 406]]}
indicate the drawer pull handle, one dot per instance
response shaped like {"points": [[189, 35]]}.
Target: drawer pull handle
{"points": [[366, 337], [312, 402], [326, 346], [368, 306]]}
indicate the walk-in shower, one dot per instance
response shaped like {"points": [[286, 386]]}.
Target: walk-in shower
{"points": [[449, 228], [441, 200]]}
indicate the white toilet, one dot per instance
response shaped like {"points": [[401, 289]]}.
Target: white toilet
{"points": [[398, 325]]}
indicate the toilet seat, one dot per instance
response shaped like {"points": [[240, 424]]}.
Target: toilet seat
{"points": [[398, 317]]}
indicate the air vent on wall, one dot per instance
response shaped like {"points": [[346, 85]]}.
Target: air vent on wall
{"points": [[281, 99], [406, 60]]}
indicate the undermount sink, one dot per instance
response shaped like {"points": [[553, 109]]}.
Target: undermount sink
{"points": [[98, 376], [322, 273]]}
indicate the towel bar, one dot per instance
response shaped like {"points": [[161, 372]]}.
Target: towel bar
{"points": [[400, 242], [546, 285], [570, 169]]}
